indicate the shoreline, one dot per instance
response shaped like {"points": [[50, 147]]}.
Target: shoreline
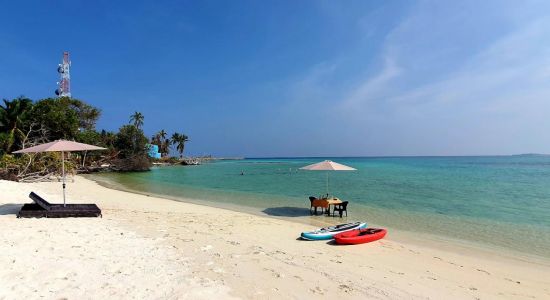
{"points": [[226, 254], [418, 238]]}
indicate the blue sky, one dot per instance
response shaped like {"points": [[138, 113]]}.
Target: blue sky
{"points": [[297, 78]]}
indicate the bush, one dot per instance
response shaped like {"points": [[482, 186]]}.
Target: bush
{"points": [[131, 142], [131, 164], [34, 166]]}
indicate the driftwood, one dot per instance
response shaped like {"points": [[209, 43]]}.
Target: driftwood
{"points": [[37, 177], [25, 171], [45, 174], [39, 136], [38, 167]]}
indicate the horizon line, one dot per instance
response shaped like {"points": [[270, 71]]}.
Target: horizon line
{"points": [[397, 156]]}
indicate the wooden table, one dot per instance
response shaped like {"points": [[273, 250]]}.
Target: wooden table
{"points": [[332, 201], [325, 203]]}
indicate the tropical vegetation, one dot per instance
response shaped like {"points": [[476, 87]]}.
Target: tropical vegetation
{"points": [[179, 140], [162, 142], [137, 119], [25, 123]]}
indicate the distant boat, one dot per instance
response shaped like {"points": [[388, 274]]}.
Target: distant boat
{"points": [[191, 161]]}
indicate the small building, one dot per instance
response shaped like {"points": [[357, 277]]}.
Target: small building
{"points": [[153, 151]]}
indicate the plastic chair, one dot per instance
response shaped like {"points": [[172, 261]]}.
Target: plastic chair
{"points": [[311, 199], [340, 208]]}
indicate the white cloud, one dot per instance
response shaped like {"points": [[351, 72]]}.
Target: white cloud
{"points": [[374, 87], [485, 94], [481, 88]]}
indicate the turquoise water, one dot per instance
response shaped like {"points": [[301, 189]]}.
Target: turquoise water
{"points": [[496, 201]]}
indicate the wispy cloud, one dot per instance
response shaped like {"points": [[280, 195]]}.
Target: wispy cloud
{"points": [[374, 88], [510, 69], [448, 90]]}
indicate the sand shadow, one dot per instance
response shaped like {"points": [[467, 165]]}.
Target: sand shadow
{"points": [[10, 209], [332, 242], [287, 211]]}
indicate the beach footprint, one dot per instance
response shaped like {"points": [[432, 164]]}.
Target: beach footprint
{"points": [[206, 248], [345, 288], [317, 290]]}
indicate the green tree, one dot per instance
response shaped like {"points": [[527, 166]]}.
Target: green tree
{"points": [[137, 119], [160, 140], [130, 141], [179, 140], [155, 139], [91, 137], [164, 143], [57, 117], [107, 139], [65, 117], [165, 147], [87, 114], [162, 134], [13, 120]]}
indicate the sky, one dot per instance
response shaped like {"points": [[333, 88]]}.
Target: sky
{"points": [[297, 78]]}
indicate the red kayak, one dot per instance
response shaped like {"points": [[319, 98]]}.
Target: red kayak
{"points": [[360, 236]]}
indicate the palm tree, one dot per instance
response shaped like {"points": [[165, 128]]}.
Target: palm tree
{"points": [[179, 140], [165, 146], [155, 139], [175, 137], [181, 144], [12, 117], [162, 142], [137, 118], [162, 133]]}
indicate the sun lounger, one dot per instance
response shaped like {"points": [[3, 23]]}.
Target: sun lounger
{"points": [[42, 208]]}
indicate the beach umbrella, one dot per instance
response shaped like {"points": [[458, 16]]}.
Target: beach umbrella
{"points": [[327, 165], [60, 146]]}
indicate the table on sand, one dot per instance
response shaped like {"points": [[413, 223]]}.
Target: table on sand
{"points": [[326, 203], [334, 201]]}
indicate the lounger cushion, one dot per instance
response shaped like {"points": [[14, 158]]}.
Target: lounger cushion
{"points": [[40, 201]]}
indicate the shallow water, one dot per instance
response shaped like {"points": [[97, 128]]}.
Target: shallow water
{"points": [[498, 201]]}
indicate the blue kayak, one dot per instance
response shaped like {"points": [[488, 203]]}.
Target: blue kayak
{"points": [[328, 233]]}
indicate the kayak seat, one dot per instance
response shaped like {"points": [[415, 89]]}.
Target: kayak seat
{"points": [[369, 231]]}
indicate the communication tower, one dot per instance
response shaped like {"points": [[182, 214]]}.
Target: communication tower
{"points": [[64, 85]]}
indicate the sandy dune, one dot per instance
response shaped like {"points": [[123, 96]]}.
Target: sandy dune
{"points": [[152, 248]]}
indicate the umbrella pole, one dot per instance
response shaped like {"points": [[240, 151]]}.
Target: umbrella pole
{"points": [[327, 184], [63, 173]]}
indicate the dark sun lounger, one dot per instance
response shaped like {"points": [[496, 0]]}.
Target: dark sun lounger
{"points": [[42, 208]]}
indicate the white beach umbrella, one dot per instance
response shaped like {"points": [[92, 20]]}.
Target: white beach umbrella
{"points": [[327, 165], [60, 146]]}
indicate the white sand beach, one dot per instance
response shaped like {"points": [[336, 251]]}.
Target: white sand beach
{"points": [[153, 248]]}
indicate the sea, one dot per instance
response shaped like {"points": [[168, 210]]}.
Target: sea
{"points": [[500, 202]]}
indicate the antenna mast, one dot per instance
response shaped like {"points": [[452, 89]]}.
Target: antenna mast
{"points": [[64, 85]]}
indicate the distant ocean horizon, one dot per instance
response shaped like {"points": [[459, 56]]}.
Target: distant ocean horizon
{"points": [[380, 156], [498, 201]]}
